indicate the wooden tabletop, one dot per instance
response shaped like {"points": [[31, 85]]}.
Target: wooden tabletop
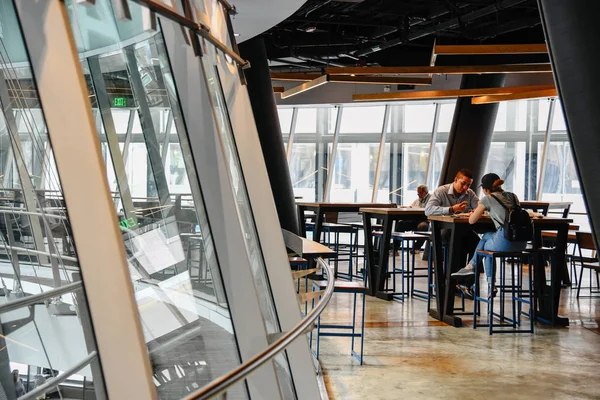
{"points": [[465, 220], [549, 204], [393, 211], [304, 247], [345, 205], [572, 235], [314, 249]]}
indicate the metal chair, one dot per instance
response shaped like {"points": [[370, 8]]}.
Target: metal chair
{"points": [[518, 295], [585, 241]]}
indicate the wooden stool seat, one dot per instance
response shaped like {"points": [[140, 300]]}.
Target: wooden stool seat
{"points": [[342, 286], [295, 260]]}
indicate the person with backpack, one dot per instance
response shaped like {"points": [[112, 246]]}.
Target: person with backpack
{"points": [[513, 225]]}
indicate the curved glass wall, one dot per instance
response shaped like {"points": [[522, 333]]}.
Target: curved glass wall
{"points": [[174, 269], [50, 332], [245, 215]]}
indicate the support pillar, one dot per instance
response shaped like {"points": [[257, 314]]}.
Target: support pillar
{"points": [[260, 91], [471, 132], [573, 36]]}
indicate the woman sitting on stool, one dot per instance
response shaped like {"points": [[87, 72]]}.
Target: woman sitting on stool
{"points": [[492, 241]]}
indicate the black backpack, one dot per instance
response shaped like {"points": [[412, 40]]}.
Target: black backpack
{"points": [[517, 224]]}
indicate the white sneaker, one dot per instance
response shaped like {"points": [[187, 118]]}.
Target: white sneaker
{"points": [[464, 272]]}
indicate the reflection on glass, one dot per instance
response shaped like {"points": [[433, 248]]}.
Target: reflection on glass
{"points": [[507, 159], [560, 181], [178, 288], [439, 152], [246, 218], [415, 159], [303, 170], [354, 172], [383, 193], [37, 251]]}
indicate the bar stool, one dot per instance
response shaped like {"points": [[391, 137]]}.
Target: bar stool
{"points": [[408, 270], [431, 271], [354, 288], [298, 263], [336, 229], [518, 295]]}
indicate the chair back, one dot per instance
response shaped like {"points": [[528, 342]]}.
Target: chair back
{"points": [[585, 241]]}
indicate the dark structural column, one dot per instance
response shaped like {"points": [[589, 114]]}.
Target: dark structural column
{"points": [[573, 36], [471, 132], [264, 108]]}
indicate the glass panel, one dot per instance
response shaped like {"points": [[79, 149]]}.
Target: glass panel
{"points": [[354, 172], [285, 119], [436, 170], [362, 119], [558, 122], [37, 250], [303, 170], [500, 125], [446, 116], [508, 161], [306, 121], [419, 118], [309, 157], [561, 182], [331, 115], [521, 116], [246, 218], [415, 159], [383, 192], [176, 277]]}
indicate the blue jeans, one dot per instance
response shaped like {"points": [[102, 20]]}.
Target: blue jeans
{"points": [[494, 241]]}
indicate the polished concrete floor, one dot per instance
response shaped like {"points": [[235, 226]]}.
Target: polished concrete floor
{"points": [[407, 354]]}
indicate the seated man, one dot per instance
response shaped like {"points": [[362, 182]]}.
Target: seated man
{"points": [[455, 198], [423, 226]]}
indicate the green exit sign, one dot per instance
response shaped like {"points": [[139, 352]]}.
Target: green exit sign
{"points": [[120, 102]]}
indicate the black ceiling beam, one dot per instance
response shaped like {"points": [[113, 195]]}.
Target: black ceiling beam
{"points": [[449, 24], [336, 22]]}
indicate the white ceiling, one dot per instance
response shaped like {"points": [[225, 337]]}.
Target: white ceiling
{"points": [[256, 16]]}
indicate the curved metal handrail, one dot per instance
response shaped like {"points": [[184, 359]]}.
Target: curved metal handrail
{"points": [[223, 383]]}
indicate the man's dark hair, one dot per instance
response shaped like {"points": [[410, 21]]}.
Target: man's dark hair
{"points": [[465, 172]]}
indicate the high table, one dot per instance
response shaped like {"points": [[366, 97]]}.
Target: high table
{"points": [[548, 295], [321, 208], [376, 267], [544, 206]]}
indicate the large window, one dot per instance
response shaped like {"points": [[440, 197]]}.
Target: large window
{"points": [[515, 152]]}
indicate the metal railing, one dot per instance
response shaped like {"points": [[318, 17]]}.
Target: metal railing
{"points": [[222, 384], [40, 297], [57, 380], [196, 27]]}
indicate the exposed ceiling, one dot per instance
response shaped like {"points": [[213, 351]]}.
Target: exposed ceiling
{"points": [[333, 33]]}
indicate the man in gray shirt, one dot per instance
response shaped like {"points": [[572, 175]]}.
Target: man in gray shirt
{"points": [[423, 197], [454, 198]]}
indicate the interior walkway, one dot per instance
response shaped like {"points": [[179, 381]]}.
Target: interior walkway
{"points": [[409, 355]]}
